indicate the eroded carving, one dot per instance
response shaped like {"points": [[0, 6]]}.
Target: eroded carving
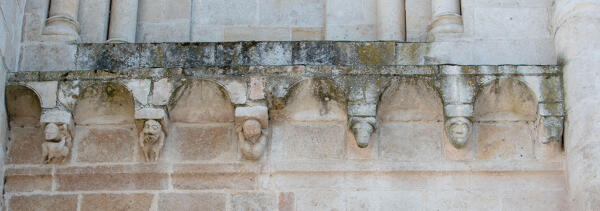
{"points": [[458, 130], [552, 129], [253, 139], [362, 128], [58, 142], [151, 139]]}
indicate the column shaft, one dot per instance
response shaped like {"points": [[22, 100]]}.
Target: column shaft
{"points": [[391, 20], [62, 18], [577, 41], [123, 21]]}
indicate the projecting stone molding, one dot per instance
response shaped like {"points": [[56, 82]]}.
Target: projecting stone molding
{"points": [[209, 114]]}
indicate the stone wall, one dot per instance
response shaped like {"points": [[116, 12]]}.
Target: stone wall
{"points": [[314, 112], [11, 19]]}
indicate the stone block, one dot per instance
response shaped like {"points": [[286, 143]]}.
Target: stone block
{"points": [[265, 53], [411, 53], [512, 23], [351, 12], [151, 113], [152, 55], [106, 144], [237, 90], [404, 141], [189, 55], [192, 201], [362, 32], [140, 89], [367, 53], [111, 178], [197, 142], [46, 91], [545, 200], [163, 32], [43, 202], [28, 180], [56, 116], [418, 18], [497, 52], [226, 53], [25, 146], [320, 200], [161, 92], [48, 57], [214, 181], [207, 33], [313, 53], [308, 13], [257, 88], [287, 201], [504, 140], [458, 110], [303, 34], [107, 56], [254, 201], [306, 141], [116, 202], [217, 12]]}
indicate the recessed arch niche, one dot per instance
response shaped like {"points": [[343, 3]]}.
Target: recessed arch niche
{"points": [[26, 137], [313, 122], [202, 127], [505, 112], [410, 115], [104, 125]]}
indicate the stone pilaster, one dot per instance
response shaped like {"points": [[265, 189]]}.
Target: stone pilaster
{"points": [[123, 21], [577, 40], [391, 20], [62, 19]]}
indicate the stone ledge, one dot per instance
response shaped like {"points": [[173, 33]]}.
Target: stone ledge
{"points": [[325, 70]]}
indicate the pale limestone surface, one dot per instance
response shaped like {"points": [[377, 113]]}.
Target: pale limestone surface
{"points": [[313, 161]]}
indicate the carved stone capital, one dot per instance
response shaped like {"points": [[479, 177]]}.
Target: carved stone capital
{"points": [[252, 123], [551, 129], [152, 127], [58, 136]]}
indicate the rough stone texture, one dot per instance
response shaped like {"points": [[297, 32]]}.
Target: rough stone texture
{"points": [[116, 202], [106, 144], [191, 201], [28, 180], [105, 103], [302, 141], [254, 201], [43, 202], [197, 142], [25, 146], [111, 178], [211, 97]]}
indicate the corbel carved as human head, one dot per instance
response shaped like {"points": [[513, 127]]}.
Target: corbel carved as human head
{"points": [[458, 130]]}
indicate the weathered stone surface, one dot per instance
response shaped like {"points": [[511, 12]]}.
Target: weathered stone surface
{"points": [[197, 142], [404, 141], [213, 100], [161, 92], [265, 53], [23, 106], [214, 181], [410, 100], [43, 202], [28, 180], [192, 201], [111, 178], [313, 53], [107, 56], [505, 141], [505, 99], [116, 202], [257, 88], [104, 103], [254, 201], [25, 146], [302, 141], [106, 144]]}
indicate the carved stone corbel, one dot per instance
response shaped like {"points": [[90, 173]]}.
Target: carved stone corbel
{"points": [[551, 122], [458, 125], [363, 128], [58, 136], [251, 126], [152, 124]]}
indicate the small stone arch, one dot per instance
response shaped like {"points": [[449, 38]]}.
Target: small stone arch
{"points": [[24, 111], [105, 125], [505, 112], [202, 123], [105, 103], [316, 100], [313, 122], [201, 101], [408, 109]]}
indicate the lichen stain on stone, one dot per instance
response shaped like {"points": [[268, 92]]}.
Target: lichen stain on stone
{"points": [[376, 53]]}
